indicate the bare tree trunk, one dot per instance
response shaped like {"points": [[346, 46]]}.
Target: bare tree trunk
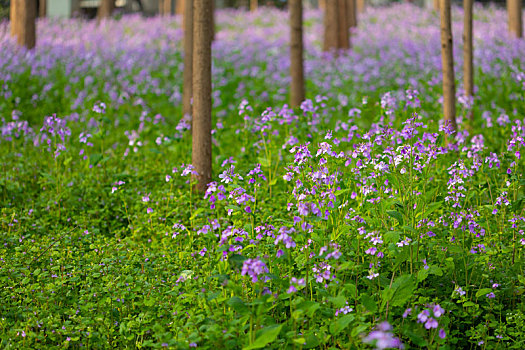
{"points": [[468, 71], [447, 59], [296, 52], [352, 13], [23, 22], [322, 4], [42, 8], [435, 5], [515, 18], [105, 9], [361, 6], [201, 140], [167, 8], [187, 92], [212, 20], [180, 7], [331, 26], [342, 18], [254, 4]]}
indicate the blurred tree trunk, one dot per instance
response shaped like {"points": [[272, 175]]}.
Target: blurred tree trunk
{"points": [[331, 26], [515, 17], [105, 9], [180, 7], [435, 5], [23, 22], [254, 4], [296, 52], [187, 90], [468, 70], [322, 4], [343, 25], [42, 8], [201, 137], [167, 8], [352, 13], [361, 6], [447, 60]]}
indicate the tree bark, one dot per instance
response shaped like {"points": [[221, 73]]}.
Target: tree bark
{"points": [[201, 140], [179, 10], [514, 11], [296, 52], [42, 8], [187, 92], [447, 60], [352, 13], [342, 14], [468, 70], [322, 4], [105, 9], [361, 6], [331, 26], [23, 22], [254, 4], [167, 8], [435, 4]]}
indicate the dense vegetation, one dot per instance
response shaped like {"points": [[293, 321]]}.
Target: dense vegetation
{"points": [[357, 220]]}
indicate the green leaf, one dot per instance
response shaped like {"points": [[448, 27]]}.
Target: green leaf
{"points": [[238, 305], [400, 292], [483, 291], [265, 336], [396, 215], [341, 324], [368, 302], [338, 301]]}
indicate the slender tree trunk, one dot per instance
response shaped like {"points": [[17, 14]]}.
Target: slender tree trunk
{"points": [[322, 4], [331, 26], [342, 18], [105, 9], [361, 6], [254, 4], [201, 140], [23, 22], [167, 8], [352, 13], [435, 5], [447, 60], [187, 92], [468, 71], [180, 7], [515, 18], [42, 8], [296, 52], [213, 20]]}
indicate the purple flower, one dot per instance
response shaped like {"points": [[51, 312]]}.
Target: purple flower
{"points": [[442, 333], [382, 338], [253, 268], [149, 210]]}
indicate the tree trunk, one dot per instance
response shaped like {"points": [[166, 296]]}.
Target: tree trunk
{"points": [[254, 4], [468, 71], [447, 60], [180, 7], [105, 9], [352, 13], [361, 6], [296, 52], [23, 22], [167, 8], [201, 140], [342, 14], [515, 19], [322, 4], [187, 92], [42, 8], [435, 4], [331, 26], [213, 20]]}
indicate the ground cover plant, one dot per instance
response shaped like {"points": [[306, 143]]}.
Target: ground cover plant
{"points": [[358, 220]]}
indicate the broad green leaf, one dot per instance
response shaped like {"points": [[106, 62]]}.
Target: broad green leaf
{"points": [[341, 323], [265, 336], [483, 291], [238, 305], [396, 215]]}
